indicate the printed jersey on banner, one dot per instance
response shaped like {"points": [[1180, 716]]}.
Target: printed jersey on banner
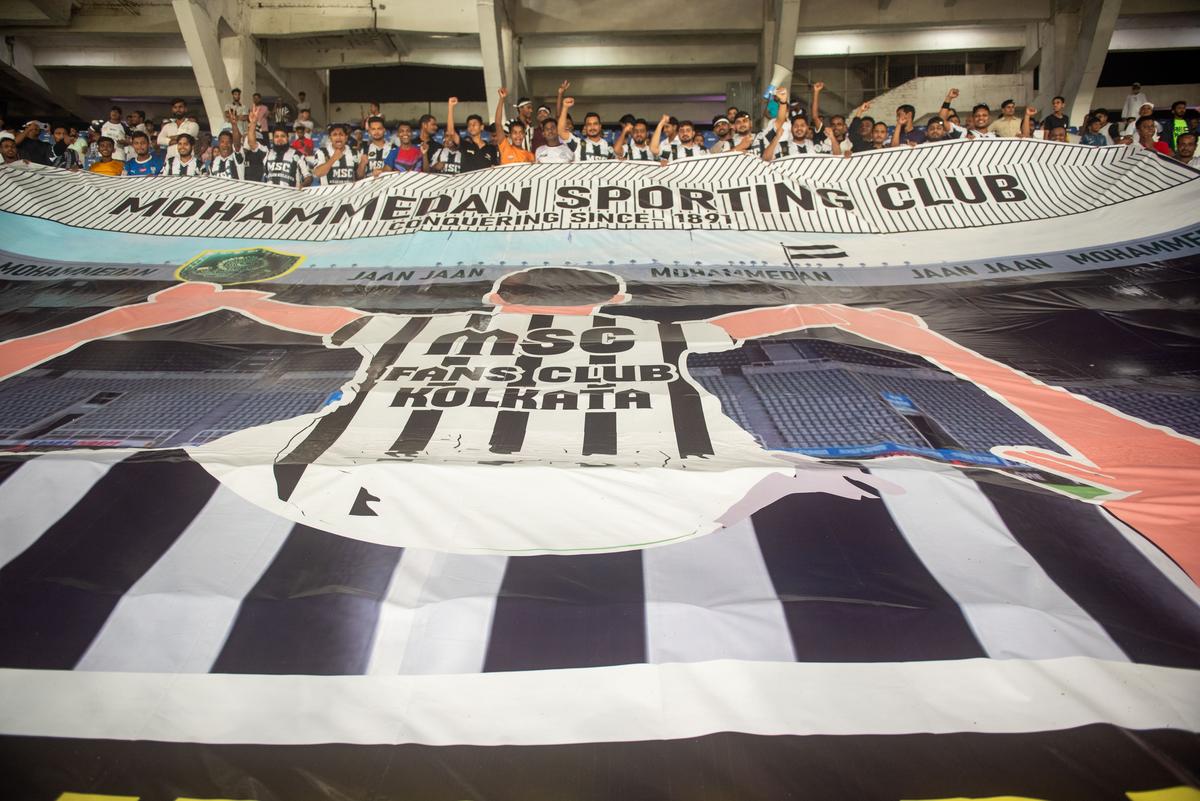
{"points": [[518, 398], [544, 388]]}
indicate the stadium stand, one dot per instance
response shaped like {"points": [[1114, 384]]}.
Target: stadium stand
{"points": [[788, 392], [1177, 410], [826, 407]]}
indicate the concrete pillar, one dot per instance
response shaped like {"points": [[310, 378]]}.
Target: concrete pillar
{"points": [[204, 49], [777, 52], [508, 53], [1049, 59], [766, 47], [1097, 21], [239, 54], [785, 41], [491, 50]]}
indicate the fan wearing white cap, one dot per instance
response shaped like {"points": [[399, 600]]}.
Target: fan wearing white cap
{"points": [[8, 148], [722, 127], [1145, 110], [524, 116]]}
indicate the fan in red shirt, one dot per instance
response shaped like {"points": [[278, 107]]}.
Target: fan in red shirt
{"points": [[405, 157], [1147, 129], [303, 143]]}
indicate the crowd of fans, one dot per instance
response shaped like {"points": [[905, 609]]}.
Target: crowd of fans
{"points": [[258, 143]]}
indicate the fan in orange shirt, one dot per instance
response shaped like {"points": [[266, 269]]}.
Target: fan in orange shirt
{"points": [[107, 165], [512, 147]]}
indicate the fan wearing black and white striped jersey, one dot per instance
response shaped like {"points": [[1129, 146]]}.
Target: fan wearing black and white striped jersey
{"points": [[447, 159], [185, 161], [375, 151], [743, 139], [689, 145], [593, 145], [284, 166], [229, 160], [634, 142], [800, 141], [336, 163]]}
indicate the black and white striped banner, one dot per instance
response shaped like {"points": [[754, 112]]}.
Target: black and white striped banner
{"points": [[950, 186], [313, 515], [148, 564]]}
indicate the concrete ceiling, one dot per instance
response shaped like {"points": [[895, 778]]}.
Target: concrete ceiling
{"points": [[76, 56]]}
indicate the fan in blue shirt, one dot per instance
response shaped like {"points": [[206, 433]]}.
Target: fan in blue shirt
{"points": [[143, 162]]}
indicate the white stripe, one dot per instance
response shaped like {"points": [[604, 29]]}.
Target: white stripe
{"points": [[177, 616], [1015, 609], [42, 490], [712, 598], [437, 614], [396, 615], [614, 704], [454, 617]]}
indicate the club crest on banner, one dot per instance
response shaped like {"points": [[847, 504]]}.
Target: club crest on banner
{"points": [[241, 266]]}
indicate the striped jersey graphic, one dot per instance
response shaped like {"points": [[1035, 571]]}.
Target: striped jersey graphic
{"points": [[559, 388], [245, 585]]}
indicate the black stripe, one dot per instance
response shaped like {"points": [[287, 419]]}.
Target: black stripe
{"points": [[687, 412], [10, 465], [331, 426], [314, 610], [1089, 763], [347, 331], [422, 424], [1143, 612], [569, 612], [851, 587], [56, 595], [418, 430], [600, 428], [508, 432], [600, 433]]}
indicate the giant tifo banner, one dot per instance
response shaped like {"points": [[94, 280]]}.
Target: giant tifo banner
{"points": [[858, 479]]}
